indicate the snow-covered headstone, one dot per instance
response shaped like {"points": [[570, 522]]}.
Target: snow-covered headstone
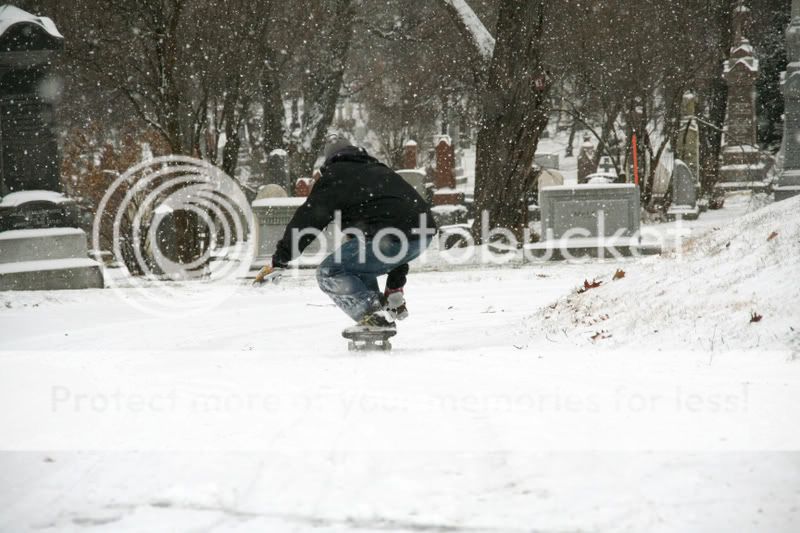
{"points": [[410, 154], [550, 178], [546, 160], [47, 259], [416, 178], [40, 245], [272, 215], [684, 193], [273, 211], [445, 192], [29, 151], [590, 220], [303, 186]]}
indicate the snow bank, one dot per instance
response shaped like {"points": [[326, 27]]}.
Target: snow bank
{"points": [[702, 297]]}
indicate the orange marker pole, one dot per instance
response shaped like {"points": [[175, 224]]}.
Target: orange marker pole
{"points": [[635, 161]]}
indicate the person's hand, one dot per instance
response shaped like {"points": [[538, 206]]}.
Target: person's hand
{"points": [[268, 274]]}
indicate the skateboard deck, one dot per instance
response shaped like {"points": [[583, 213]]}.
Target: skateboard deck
{"points": [[369, 341]]}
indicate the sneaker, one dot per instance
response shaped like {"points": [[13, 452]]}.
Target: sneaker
{"points": [[373, 322], [396, 304]]}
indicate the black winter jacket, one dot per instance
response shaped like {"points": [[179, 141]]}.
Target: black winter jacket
{"points": [[369, 195]]}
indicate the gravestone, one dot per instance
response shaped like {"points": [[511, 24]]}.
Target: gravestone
{"points": [[271, 191], [549, 178], [789, 181], [166, 245], [663, 176], [277, 170], [38, 209], [546, 160], [684, 193], [607, 167], [546, 178], [590, 220], [449, 215], [688, 142], [410, 155], [38, 250], [445, 165], [244, 158], [445, 192], [415, 178], [586, 158], [606, 173], [741, 165], [47, 259], [303, 186], [28, 144], [272, 215]]}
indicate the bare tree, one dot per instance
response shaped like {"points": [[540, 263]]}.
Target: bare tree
{"points": [[515, 107]]}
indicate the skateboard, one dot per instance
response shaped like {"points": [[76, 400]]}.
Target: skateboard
{"points": [[369, 341]]}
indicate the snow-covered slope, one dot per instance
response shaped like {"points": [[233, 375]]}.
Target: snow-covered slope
{"points": [[701, 297]]}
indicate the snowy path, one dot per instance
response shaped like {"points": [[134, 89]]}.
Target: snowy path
{"points": [[470, 424]]}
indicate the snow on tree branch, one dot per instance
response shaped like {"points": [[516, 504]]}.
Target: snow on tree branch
{"points": [[472, 25]]}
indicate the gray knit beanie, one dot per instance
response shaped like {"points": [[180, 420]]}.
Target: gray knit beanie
{"points": [[335, 143]]}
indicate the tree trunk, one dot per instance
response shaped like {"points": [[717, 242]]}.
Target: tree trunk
{"points": [[515, 111], [274, 128], [573, 129]]}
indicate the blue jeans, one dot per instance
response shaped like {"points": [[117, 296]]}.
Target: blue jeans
{"points": [[352, 281]]}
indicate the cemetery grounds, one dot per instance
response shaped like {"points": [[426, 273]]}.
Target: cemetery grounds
{"points": [[523, 397]]}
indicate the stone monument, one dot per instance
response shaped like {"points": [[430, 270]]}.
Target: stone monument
{"points": [[272, 211], [410, 155], [28, 149], [590, 220], [444, 177], [663, 175], [549, 178], [303, 186], [41, 247], [741, 165], [586, 159], [416, 178], [688, 142], [277, 170], [448, 202], [684, 193], [789, 182], [546, 160]]}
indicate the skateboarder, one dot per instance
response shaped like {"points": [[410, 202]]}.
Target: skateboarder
{"points": [[389, 224]]}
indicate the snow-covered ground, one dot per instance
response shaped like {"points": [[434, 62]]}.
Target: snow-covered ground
{"points": [[496, 411]]}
